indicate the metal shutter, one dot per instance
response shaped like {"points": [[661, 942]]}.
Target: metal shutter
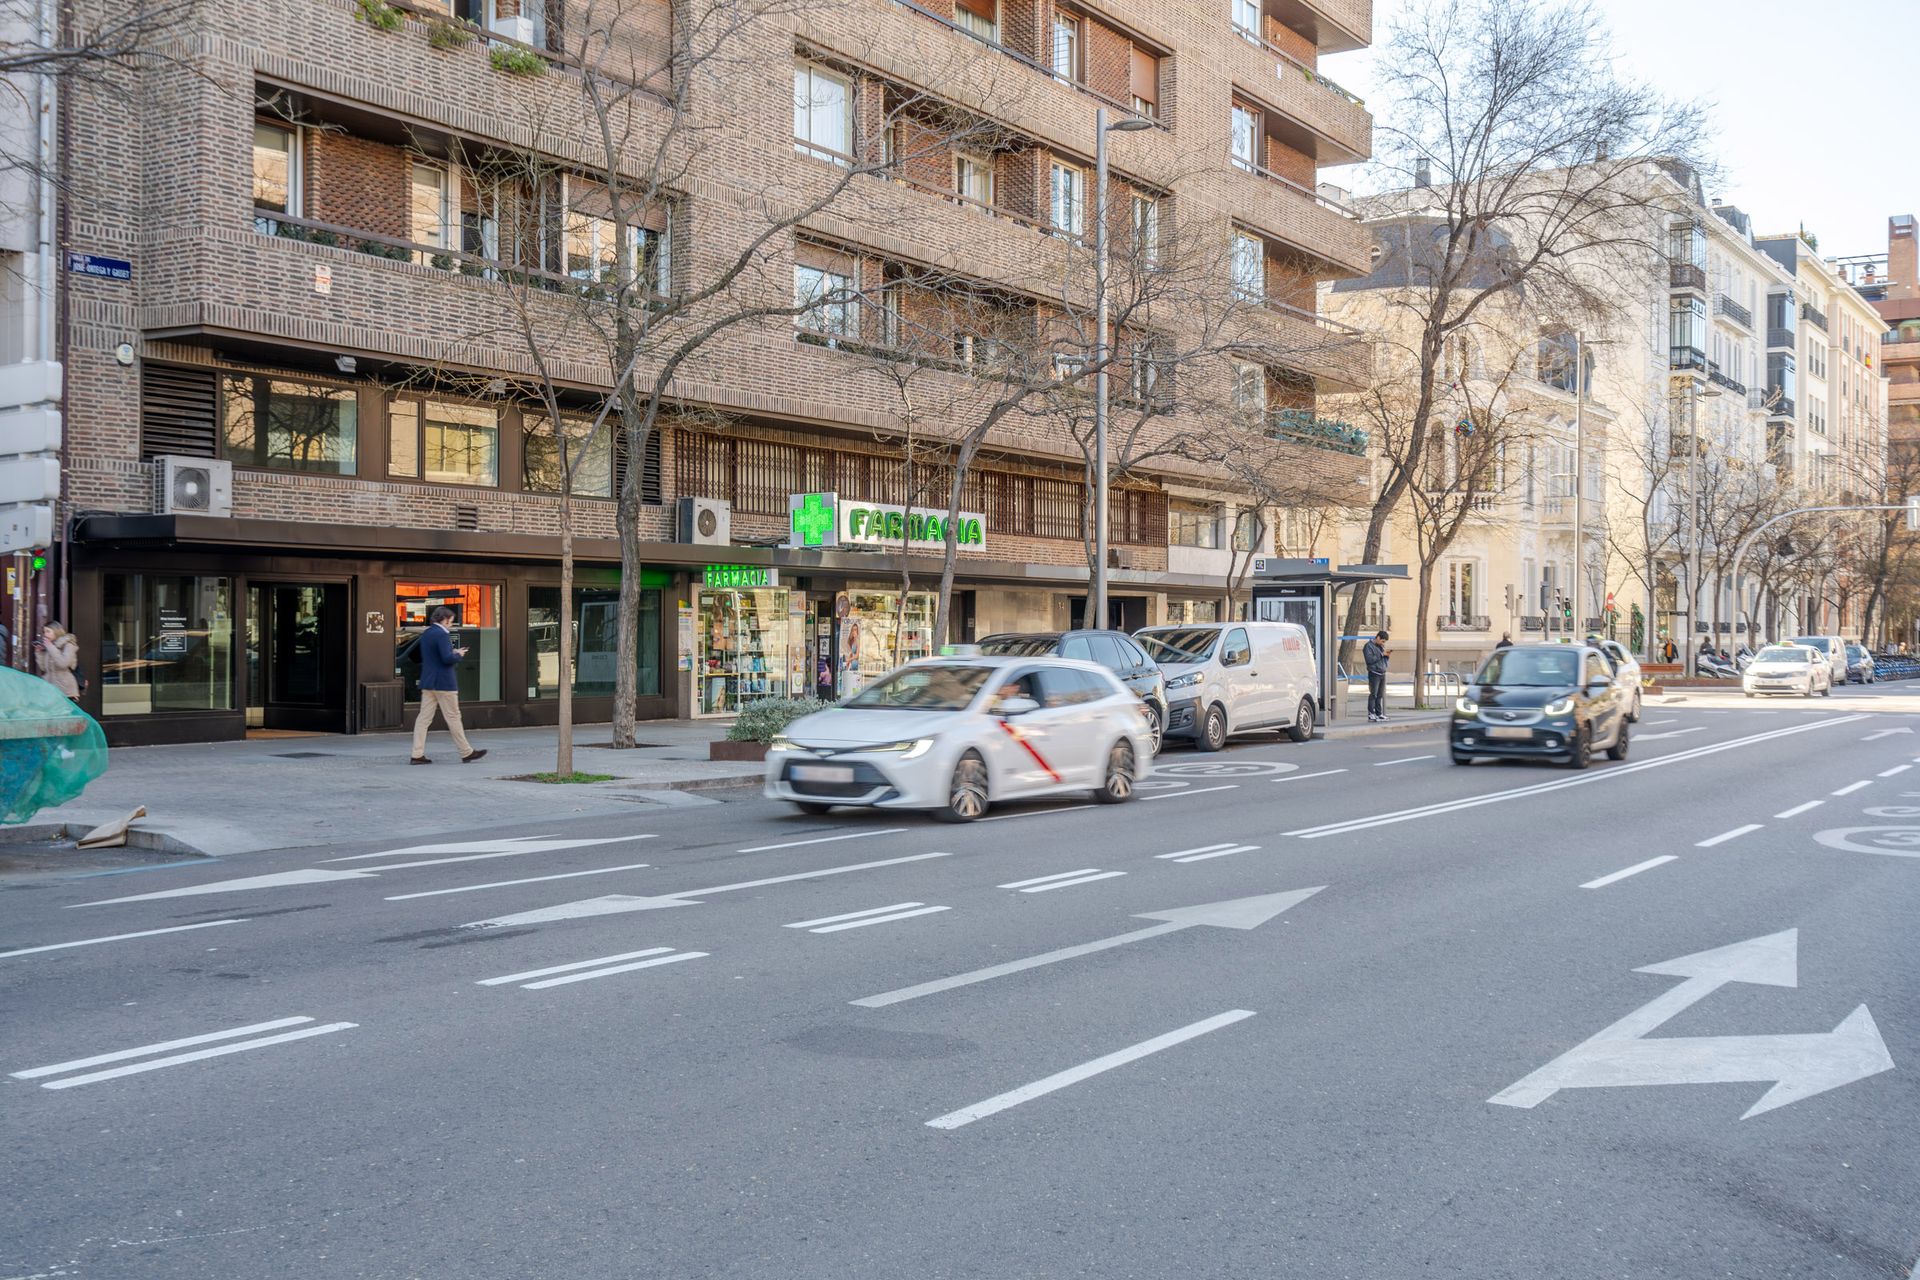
{"points": [[178, 412]]}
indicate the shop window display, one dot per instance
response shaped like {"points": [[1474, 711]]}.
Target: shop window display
{"points": [[166, 644], [596, 613], [746, 645], [476, 626], [874, 621]]}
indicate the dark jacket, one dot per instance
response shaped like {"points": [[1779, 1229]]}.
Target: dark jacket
{"points": [[1376, 656], [437, 660]]}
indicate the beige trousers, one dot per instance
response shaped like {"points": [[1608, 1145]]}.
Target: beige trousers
{"points": [[447, 703]]}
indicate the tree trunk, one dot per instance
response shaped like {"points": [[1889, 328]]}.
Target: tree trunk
{"points": [[950, 552], [1425, 600], [626, 666]]}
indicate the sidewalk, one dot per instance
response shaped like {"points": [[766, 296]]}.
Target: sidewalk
{"points": [[268, 793]]}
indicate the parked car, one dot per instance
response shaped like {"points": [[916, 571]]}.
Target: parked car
{"points": [[1541, 701], [1861, 666], [1114, 650], [1791, 667], [1626, 672], [1232, 677], [954, 735], [1832, 648]]}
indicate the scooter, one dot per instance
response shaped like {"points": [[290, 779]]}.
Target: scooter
{"points": [[1714, 665]]}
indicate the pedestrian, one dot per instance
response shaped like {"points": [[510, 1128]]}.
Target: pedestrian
{"points": [[57, 653], [1506, 640], [1376, 654], [439, 691]]}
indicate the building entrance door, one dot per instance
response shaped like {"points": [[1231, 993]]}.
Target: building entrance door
{"points": [[297, 656]]}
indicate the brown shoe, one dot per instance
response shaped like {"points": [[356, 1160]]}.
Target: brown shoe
{"points": [[419, 760], [472, 756]]}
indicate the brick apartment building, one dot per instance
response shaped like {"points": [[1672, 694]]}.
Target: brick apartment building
{"points": [[300, 421]]}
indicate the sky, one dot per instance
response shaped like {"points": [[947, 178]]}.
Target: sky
{"points": [[1798, 91]]}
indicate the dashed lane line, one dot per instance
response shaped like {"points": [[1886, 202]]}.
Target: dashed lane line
{"points": [[1206, 851], [1061, 880], [1852, 787], [1725, 836], [174, 1060], [118, 937], [1302, 777], [1197, 791], [1624, 872], [1381, 764], [861, 919], [795, 844], [1799, 809], [502, 884], [1888, 773]]}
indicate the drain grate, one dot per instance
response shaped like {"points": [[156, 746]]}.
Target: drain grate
{"points": [[303, 755], [608, 746]]}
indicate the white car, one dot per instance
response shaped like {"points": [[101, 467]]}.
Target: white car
{"points": [[1626, 673], [953, 735], [1788, 668]]}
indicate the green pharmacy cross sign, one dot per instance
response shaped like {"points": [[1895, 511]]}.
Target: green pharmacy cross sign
{"points": [[813, 521], [821, 520]]}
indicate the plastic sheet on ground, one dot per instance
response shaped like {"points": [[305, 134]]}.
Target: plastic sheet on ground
{"points": [[49, 749]]}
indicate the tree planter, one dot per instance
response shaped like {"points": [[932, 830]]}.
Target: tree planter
{"points": [[725, 749]]}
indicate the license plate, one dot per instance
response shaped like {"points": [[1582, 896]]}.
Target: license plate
{"points": [[822, 773], [1509, 731]]}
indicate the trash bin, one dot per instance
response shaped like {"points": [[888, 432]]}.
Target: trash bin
{"points": [[49, 749]]}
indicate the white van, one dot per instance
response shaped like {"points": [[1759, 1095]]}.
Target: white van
{"points": [[1231, 677], [1832, 648]]}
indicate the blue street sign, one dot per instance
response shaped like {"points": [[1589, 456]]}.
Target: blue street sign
{"points": [[87, 264]]}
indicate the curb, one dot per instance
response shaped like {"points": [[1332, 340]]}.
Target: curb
{"points": [[717, 783], [1368, 730], [147, 841]]}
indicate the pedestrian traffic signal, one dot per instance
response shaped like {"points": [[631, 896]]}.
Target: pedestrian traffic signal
{"points": [[39, 559]]}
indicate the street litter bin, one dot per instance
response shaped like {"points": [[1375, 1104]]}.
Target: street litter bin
{"points": [[49, 749]]}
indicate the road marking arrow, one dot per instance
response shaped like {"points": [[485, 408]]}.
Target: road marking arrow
{"points": [[1884, 733], [1235, 913], [278, 879], [1797, 1066]]}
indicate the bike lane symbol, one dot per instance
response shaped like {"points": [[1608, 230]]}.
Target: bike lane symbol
{"points": [[1894, 842]]}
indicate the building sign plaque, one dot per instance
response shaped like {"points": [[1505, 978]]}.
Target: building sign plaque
{"points": [[739, 577]]}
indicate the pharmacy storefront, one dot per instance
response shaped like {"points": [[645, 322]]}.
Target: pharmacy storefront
{"points": [[749, 639]]}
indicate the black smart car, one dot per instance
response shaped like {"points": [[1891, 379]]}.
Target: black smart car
{"points": [[1541, 701], [1114, 650]]}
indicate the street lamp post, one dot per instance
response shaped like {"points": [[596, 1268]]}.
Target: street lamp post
{"points": [[1097, 595], [1691, 653]]}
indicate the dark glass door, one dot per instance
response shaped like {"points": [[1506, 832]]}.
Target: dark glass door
{"points": [[301, 641]]}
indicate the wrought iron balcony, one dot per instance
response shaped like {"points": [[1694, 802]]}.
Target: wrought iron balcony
{"points": [[1725, 306], [1463, 622], [1304, 426], [1782, 339], [1814, 315], [1720, 379], [1684, 275], [1685, 359], [1533, 623]]}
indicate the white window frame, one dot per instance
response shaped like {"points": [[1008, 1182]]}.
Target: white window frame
{"points": [[833, 320], [809, 105], [1070, 219], [1249, 267], [1146, 229], [1250, 387], [1243, 137], [1064, 46], [1247, 18], [441, 237], [974, 24], [1463, 588], [1211, 519], [965, 162], [296, 158]]}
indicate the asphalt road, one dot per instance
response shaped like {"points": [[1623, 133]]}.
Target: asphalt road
{"points": [[762, 1073]]}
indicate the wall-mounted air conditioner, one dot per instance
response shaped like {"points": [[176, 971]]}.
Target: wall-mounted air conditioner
{"points": [[706, 522], [194, 486]]}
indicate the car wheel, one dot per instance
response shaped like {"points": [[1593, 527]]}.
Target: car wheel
{"points": [[1302, 727], [1618, 751], [1749, 695], [967, 792], [1828, 691], [1461, 757], [1118, 787], [1213, 729], [1156, 726], [1635, 717], [812, 808], [1580, 751]]}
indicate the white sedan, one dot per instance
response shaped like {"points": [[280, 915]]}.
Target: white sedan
{"points": [[953, 735], [1788, 668]]}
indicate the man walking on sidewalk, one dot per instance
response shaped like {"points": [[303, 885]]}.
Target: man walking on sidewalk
{"points": [[439, 691], [1376, 654]]}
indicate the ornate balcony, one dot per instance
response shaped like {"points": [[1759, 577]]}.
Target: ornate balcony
{"points": [[1304, 426], [1725, 306], [1684, 275], [1462, 622]]}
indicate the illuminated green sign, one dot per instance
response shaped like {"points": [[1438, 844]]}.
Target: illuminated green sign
{"points": [[738, 576], [823, 520], [812, 517]]}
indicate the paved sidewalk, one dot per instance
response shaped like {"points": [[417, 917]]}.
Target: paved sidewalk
{"points": [[268, 793]]}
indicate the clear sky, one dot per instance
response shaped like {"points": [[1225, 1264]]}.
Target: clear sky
{"points": [[1798, 91]]}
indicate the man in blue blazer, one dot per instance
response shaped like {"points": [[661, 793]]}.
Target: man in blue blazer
{"points": [[439, 690]]}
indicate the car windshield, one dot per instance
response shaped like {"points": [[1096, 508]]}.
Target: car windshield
{"points": [[1547, 669], [1855, 652], [1812, 642], [930, 688], [1019, 646], [1784, 653], [1179, 644]]}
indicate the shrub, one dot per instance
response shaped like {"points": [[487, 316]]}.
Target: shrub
{"points": [[445, 34], [519, 62], [760, 721], [379, 13]]}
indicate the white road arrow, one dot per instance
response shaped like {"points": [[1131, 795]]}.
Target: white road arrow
{"points": [[1884, 733], [277, 880], [1235, 913], [1797, 1066]]}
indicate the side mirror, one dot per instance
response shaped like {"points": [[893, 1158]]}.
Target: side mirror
{"points": [[1598, 688], [1017, 706]]}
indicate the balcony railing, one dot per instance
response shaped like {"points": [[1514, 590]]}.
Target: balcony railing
{"points": [[1325, 202], [1814, 315], [1313, 76], [1303, 426], [1684, 275], [1781, 338], [1462, 622], [1684, 359], [1756, 397], [1533, 622], [1725, 306], [1780, 408], [1720, 379]]}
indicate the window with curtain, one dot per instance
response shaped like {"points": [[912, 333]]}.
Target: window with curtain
{"points": [[822, 112], [1249, 268], [973, 178], [1066, 46], [1143, 75], [1068, 199], [979, 17], [1246, 17], [1193, 524], [1246, 128]]}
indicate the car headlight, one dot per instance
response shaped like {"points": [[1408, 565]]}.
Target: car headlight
{"points": [[1466, 706], [1186, 681], [910, 749], [781, 742], [1559, 707]]}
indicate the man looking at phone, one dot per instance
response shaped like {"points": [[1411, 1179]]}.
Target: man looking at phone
{"points": [[1376, 653], [439, 690]]}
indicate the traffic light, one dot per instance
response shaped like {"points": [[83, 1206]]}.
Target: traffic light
{"points": [[39, 559], [1546, 597]]}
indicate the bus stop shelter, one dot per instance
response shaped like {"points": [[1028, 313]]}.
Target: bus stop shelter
{"points": [[1316, 595]]}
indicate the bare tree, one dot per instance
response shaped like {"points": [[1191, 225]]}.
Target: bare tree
{"points": [[88, 50]]}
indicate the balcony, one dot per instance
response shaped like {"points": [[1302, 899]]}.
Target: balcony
{"points": [[1720, 379], [1533, 622], [1814, 316], [1304, 427], [1462, 622], [1779, 407], [1781, 339], [1725, 306], [1288, 213], [1336, 355], [1334, 26], [1686, 359], [1332, 125], [1684, 275]]}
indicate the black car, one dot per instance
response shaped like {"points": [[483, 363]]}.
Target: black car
{"points": [[1114, 650], [1541, 701]]}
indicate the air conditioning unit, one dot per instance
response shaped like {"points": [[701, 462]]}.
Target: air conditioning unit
{"points": [[706, 522], [194, 486]]}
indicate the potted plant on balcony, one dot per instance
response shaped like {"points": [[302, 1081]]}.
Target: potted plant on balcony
{"points": [[758, 724], [378, 13]]}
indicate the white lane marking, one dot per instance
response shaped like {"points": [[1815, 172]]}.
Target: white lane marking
{"points": [[1633, 870], [121, 1055], [504, 844], [1197, 791], [1381, 764], [569, 968], [502, 884], [1204, 848], [851, 915], [1668, 720], [1041, 813], [199, 1054], [1086, 1070], [1671, 733], [1227, 852], [1851, 787], [1540, 788], [608, 973], [1068, 884], [1884, 733], [1302, 777], [482, 857], [861, 924], [795, 844], [1888, 773], [1058, 875], [1799, 809], [118, 937], [277, 880], [1725, 836]]}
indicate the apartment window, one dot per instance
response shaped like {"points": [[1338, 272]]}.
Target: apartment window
{"points": [[1067, 206], [979, 352], [1068, 368], [1246, 18], [589, 450], [1249, 268], [1246, 126], [428, 204], [981, 17], [1249, 388], [1146, 229], [822, 112], [1248, 529], [443, 441], [828, 295], [1146, 370], [1462, 576], [276, 172], [289, 426], [1066, 46], [1143, 74], [1193, 524], [973, 179], [593, 253]]}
